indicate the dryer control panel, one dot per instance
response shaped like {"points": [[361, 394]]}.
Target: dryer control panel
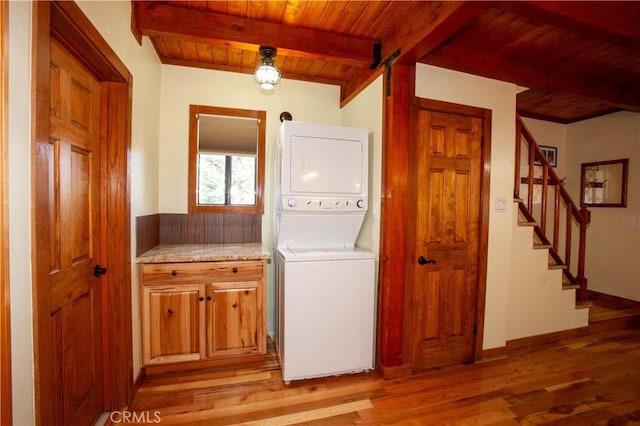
{"points": [[315, 204]]}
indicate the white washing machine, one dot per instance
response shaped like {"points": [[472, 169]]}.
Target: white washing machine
{"points": [[326, 315], [325, 285]]}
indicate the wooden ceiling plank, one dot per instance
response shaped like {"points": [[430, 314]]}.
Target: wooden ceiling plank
{"points": [[312, 13], [592, 19], [213, 6], [294, 12], [530, 75], [249, 59], [425, 25], [174, 49], [157, 19], [205, 53], [372, 18], [234, 57], [189, 51], [237, 8], [257, 9], [220, 55], [275, 11], [552, 106], [330, 15], [349, 16], [161, 48]]}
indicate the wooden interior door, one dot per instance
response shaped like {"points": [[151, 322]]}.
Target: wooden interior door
{"points": [[443, 236], [74, 204]]}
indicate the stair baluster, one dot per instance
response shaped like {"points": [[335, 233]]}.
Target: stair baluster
{"points": [[538, 171]]}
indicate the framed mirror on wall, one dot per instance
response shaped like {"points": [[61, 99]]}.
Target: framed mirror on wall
{"points": [[226, 160], [604, 183]]}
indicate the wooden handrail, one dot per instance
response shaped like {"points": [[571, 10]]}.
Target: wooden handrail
{"points": [[537, 161]]}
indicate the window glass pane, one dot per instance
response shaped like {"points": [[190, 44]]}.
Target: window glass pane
{"points": [[243, 180], [211, 179]]}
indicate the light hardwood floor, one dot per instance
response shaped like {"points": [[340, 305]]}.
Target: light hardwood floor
{"points": [[587, 380]]}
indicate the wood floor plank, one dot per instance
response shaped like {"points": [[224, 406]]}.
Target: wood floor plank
{"points": [[320, 413], [582, 380], [201, 384], [230, 407]]}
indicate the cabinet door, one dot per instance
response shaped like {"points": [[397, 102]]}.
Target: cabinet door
{"points": [[235, 323], [173, 330]]}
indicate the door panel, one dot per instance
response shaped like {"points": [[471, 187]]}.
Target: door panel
{"points": [[74, 204], [444, 267]]}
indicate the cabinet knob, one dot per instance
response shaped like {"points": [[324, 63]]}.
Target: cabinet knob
{"points": [[235, 270], [209, 298], [201, 298], [174, 273]]}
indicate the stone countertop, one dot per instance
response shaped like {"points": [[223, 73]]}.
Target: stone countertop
{"points": [[167, 253]]}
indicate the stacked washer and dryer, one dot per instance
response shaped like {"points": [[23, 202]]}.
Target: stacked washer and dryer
{"points": [[325, 285]]}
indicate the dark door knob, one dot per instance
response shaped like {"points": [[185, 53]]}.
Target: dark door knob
{"points": [[99, 270], [423, 261]]}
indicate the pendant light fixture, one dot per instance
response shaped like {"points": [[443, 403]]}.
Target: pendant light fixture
{"points": [[267, 75]]}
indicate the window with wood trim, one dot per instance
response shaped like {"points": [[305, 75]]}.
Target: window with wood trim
{"points": [[226, 160]]}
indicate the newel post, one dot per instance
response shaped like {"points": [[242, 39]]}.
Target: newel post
{"points": [[586, 220]]}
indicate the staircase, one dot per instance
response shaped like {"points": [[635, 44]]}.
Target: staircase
{"points": [[547, 270]]}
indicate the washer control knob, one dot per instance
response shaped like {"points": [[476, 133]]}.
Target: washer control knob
{"points": [[360, 204], [291, 202]]}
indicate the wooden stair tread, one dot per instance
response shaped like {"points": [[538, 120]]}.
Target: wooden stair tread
{"points": [[540, 246], [526, 223], [557, 266], [584, 305], [570, 286]]}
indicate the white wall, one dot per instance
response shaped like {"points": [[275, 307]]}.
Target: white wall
{"points": [[440, 84], [182, 86], [551, 134], [613, 249], [365, 110], [537, 302], [19, 212]]}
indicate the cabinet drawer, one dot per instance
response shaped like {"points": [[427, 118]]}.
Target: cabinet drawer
{"points": [[205, 272]]}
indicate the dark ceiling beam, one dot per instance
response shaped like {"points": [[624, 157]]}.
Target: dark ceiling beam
{"points": [[159, 19], [530, 75], [592, 18], [423, 27]]}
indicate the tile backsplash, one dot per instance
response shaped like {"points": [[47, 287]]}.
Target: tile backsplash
{"points": [[197, 228]]}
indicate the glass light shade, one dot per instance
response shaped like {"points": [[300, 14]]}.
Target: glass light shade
{"points": [[267, 76]]}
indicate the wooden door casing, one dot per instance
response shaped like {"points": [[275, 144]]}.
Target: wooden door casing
{"points": [[444, 266], [6, 413]]}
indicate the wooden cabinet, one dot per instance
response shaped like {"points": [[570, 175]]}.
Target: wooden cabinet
{"points": [[204, 311], [232, 319], [173, 323]]}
